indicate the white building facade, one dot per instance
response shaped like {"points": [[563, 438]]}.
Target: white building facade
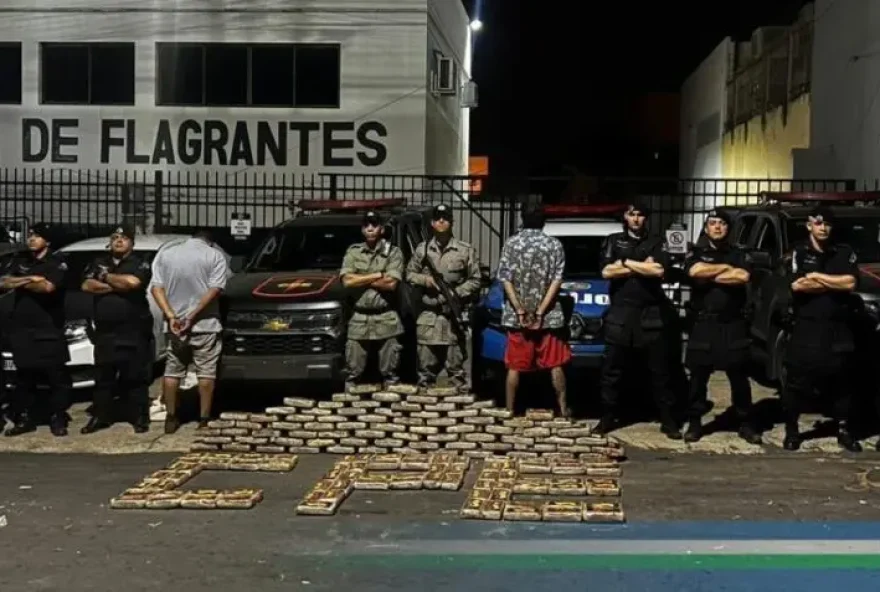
{"points": [[235, 86]]}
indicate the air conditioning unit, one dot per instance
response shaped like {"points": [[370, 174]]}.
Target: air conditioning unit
{"points": [[446, 80], [469, 95]]}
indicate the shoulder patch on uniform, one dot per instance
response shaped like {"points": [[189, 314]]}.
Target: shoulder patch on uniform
{"points": [[62, 266]]}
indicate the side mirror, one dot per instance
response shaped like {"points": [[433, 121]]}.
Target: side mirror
{"points": [[761, 259], [236, 263], [485, 276]]}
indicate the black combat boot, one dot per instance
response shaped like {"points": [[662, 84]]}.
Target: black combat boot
{"points": [[846, 439], [748, 433], [58, 425], [96, 424], [605, 426], [671, 430], [793, 438], [141, 422], [22, 424], [694, 431]]}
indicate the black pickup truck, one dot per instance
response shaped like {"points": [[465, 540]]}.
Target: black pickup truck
{"points": [[769, 231]]}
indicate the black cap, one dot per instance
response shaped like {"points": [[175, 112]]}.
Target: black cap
{"points": [[43, 230], [720, 215], [633, 207], [372, 217], [442, 212], [125, 230], [822, 214]]}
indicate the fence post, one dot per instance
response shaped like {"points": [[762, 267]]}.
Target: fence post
{"points": [[158, 209]]}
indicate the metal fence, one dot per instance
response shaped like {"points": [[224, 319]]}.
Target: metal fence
{"points": [[90, 203]]}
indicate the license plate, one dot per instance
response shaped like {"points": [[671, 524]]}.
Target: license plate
{"points": [[8, 366]]}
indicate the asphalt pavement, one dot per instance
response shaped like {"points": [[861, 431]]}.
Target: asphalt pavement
{"points": [[695, 522]]}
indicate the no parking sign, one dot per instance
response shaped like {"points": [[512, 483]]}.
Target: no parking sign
{"points": [[676, 241]]}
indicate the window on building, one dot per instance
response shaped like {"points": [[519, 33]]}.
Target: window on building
{"points": [[10, 73], [87, 73], [248, 75]]}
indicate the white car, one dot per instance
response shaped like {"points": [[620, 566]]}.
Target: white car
{"points": [[78, 255]]}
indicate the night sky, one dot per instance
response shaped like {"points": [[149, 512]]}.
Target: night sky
{"points": [[558, 81]]}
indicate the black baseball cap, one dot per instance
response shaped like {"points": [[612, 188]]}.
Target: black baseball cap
{"points": [[125, 230], [822, 214], [441, 212], [720, 215], [42, 230], [372, 217], [643, 210]]}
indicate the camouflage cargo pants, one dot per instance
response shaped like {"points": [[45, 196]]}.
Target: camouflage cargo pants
{"points": [[434, 358], [357, 354]]}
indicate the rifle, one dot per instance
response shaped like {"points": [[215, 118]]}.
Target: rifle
{"points": [[452, 301]]}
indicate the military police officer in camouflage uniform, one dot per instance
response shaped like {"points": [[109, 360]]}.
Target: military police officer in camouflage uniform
{"points": [[371, 271], [437, 333]]}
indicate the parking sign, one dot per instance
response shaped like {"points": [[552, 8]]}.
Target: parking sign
{"points": [[676, 242]]}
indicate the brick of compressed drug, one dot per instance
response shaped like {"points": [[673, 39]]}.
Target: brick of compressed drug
{"points": [[403, 389], [384, 427], [496, 446], [220, 424], [286, 425], [271, 449], [461, 428], [299, 418], [262, 418], [591, 441], [332, 405], [389, 442], [559, 441], [556, 455], [602, 471], [461, 446], [320, 442], [372, 450], [314, 426], [366, 404], [299, 402], [281, 411], [351, 425], [462, 413], [441, 407], [424, 445], [539, 414], [236, 447], [203, 447], [304, 434], [536, 432], [251, 440], [535, 466], [318, 412], [573, 432], [557, 423], [441, 422], [408, 421], [370, 418], [475, 453], [406, 407], [303, 450], [562, 511], [350, 411], [425, 414], [407, 436], [496, 413], [522, 511], [479, 437], [248, 425], [231, 432], [335, 434], [369, 434], [364, 389], [481, 404], [443, 438], [482, 420], [518, 423], [441, 391], [460, 399], [215, 439], [522, 454], [345, 398], [520, 440], [341, 449], [386, 397], [498, 430], [283, 441], [234, 416], [422, 399], [603, 512], [603, 487], [424, 430], [331, 419], [357, 442]]}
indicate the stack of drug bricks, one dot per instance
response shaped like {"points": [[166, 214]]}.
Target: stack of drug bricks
{"points": [[404, 419]]}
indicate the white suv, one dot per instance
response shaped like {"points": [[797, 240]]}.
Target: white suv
{"points": [[78, 255]]}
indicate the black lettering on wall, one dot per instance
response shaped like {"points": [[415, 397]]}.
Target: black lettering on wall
{"points": [[333, 143], [216, 137], [189, 149], [305, 129], [241, 151], [131, 154], [59, 140], [107, 138], [376, 152], [34, 131], [163, 148], [276, 145]]}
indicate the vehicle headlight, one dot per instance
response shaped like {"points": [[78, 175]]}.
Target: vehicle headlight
{"points": [[76, 330]]}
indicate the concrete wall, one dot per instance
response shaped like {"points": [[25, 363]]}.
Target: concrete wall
{"points": [[762, 148], [845, 120], [383, 77], [703, 103]]}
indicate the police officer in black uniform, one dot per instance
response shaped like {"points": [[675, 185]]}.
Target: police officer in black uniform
{"points": [[819, 356], [36, 333], [638, 320], [123, 332], [719, 338]]}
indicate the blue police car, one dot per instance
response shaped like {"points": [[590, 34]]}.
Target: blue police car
{"points": [[581, 229]]}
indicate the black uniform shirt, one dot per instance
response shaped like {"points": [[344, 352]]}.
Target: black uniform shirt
{"points": [[634, 290], [834, 260], [120, 308], [709, 296], [34, 310]]}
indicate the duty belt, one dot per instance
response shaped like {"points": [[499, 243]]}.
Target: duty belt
{"points": [[370, 311], [436, 308]]}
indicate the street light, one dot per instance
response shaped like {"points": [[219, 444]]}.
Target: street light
{"points": [[476, 25]]}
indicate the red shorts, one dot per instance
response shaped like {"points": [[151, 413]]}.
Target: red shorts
{"points": [[535, 350]]}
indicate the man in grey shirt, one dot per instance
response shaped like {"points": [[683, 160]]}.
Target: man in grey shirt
{"points": [[187, 282]]}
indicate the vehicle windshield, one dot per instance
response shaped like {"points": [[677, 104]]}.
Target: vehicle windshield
{"points": [[296, 248], [862, 234], [77, 261], [582, 254]]}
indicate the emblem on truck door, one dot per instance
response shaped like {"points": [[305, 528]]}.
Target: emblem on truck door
{"points": [[293, 286]]}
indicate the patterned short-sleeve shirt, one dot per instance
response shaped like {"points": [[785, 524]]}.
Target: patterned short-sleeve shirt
{"points": [[531, 261]]}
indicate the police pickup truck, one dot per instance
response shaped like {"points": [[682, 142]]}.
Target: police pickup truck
{"points": [[770, 229], [286, 311]]}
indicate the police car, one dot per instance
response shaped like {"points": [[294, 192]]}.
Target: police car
{"points": [[78, 306]]}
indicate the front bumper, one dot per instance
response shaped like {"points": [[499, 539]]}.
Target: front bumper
{"points": [[583, 355], [282, 367], [81, 365]]}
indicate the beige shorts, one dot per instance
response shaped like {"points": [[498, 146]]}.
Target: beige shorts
{"points": [[202, 350]]}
